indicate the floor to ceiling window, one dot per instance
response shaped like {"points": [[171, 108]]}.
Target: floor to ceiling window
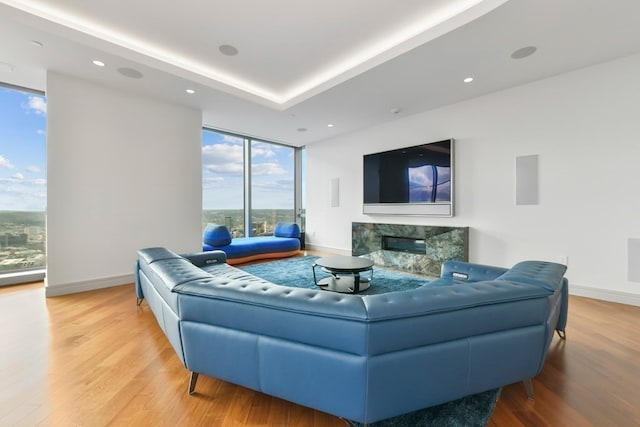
{"points": [[223, 181], [247, 185], [301, 196], [272, 186], [22, 180]]}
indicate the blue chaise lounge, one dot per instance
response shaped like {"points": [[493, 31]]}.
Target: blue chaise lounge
{"points": [[285, 242]]}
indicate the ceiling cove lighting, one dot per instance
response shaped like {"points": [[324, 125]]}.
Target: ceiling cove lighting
{"points": [[85, 26], [98, 63], [453, 14], [399, 42]]}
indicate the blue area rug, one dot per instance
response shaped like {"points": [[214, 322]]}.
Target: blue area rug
{"points": [[470, 411], [297, 272]]}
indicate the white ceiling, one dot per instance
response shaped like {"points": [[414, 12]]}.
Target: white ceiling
{"points": [[306, 64]]}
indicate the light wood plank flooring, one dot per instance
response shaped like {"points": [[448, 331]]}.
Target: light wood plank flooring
{"points": [[95, 359]]}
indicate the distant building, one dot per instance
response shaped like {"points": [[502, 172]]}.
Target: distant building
{"points": [[34, 233], [9, 240]]}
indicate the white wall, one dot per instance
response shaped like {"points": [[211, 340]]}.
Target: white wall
{"points": [[123, 172], [583, 125]]}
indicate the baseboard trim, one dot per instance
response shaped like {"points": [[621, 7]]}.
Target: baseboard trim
{"points": [[87, 285], [605, 294], [336, 251], [19, 277]]}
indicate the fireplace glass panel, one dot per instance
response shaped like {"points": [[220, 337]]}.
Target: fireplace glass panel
{"points": [[404, 244]]}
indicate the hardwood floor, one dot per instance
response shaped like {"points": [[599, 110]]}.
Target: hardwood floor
{"points": [[95, 359], [591, 379]]}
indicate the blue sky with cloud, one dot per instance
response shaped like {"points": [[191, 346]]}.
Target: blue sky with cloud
{"points": [[23, 172], [272, 168]]}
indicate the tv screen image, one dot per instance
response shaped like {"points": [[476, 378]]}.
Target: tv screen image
{"points": [[411, 180]]}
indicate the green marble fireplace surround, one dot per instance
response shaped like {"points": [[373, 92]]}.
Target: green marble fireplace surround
{"points": [[415, 248]]}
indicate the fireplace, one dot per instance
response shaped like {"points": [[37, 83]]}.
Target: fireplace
{"points": [[404, 244], [415, 248]]}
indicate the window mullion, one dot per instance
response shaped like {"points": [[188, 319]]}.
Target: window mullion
{"points": [[248, 226]]}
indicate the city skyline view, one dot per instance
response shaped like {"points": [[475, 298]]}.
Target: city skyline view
{"points": [[23, 180]]}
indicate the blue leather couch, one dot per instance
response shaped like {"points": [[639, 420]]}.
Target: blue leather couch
{"points": [[361, 357], [285, 242]]}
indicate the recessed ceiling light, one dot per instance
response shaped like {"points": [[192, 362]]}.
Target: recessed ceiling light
{"points": [[37, 43], [468, 80], [130, 72], [227, 49], [395, 110], [98, 63], [524, 52], [190, 91], [330, 125], [301, 129]]}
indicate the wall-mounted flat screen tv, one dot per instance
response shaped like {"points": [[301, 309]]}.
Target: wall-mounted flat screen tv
{"points": [[414, 180]]}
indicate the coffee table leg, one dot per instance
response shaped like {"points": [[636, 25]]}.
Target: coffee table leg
{"points": [[315, 279], [356, 281], [313, 268]]}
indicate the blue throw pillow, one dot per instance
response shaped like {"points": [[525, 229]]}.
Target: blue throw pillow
{"points": [[216, 235], [286, 229]]}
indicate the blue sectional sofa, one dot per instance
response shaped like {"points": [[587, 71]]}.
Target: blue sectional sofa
{"points": [[285, 242], [363, 358]]}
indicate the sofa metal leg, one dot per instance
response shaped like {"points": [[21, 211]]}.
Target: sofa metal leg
{"points": [[139, 301], [528, 386], [562, 334], [193, 379]]}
